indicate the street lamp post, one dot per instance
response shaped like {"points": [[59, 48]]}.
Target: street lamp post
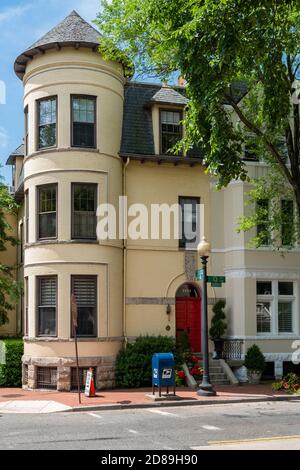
{"points": [[206, 389]]}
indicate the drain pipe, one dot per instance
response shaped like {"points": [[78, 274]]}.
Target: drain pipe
{"points": [[124, 189]]}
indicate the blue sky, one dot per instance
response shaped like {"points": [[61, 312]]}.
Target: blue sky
{"points": [[22, 22]]}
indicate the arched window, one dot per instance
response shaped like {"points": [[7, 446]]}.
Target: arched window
{"points": [[187, 290]]}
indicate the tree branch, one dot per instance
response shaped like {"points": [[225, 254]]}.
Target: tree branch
{"points": [[271, 147]]}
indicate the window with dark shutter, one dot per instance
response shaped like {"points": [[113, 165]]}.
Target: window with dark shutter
{"points": [[47, 293], [85, 290], [83, 121]]}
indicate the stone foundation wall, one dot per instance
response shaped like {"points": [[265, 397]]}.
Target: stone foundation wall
{"points": [[104, 367]]}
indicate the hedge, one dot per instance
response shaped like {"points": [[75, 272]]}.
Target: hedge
{"points": [[11, 371], [134, 363]]}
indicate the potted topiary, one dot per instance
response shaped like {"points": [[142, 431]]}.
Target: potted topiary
{"points": [[255, 363], [218, 328]]}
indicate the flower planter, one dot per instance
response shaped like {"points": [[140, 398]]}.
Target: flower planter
{"points": [[254, 376], [219, 348]]}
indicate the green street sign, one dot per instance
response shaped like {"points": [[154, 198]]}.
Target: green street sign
{"points": [[216, 284], [199, 274], [216, 279]]}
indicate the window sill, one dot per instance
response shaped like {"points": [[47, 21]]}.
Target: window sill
{"points": [[279, 336]]}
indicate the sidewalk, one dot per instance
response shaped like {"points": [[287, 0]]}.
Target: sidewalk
{"points": [[16, 400]]}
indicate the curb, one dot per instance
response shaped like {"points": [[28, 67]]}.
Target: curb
{"points": [[120, 406]]}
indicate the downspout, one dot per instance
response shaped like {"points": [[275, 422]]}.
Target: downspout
{"points": [[124, 189]]}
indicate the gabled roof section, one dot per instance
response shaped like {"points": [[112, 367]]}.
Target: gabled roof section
{"points": [[167, 95], [72, 31], [19, 152]]}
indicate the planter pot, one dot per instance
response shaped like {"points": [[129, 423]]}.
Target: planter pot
{"points": [[219, 347], [254, 376]]}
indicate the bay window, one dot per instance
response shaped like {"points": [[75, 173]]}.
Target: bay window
{"points": [[83, 121], [84, 206], [47, 117], [84, 289], [47, 295], [47, 211], [275, 306]]}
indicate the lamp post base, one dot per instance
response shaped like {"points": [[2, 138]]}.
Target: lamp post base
{"points": [[206, 390]]}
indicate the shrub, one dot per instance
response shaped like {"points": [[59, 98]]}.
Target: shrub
{"points": [[290, 383], [134, 363], [254, 359], [218, 325], [11, 371]]}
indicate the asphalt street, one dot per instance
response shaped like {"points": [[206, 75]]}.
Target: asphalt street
{"points": [[268, 425]]}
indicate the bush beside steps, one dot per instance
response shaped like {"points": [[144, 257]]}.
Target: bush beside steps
{"points": [[11, 370]]}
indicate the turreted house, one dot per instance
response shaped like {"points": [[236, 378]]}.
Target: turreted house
{"points": [[91, 136]]}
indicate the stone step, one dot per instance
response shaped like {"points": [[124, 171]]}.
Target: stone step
{"points": [[218, 375], [220, 382]]}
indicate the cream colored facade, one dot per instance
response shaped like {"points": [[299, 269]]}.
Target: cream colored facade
{"points": [[137, 280]]}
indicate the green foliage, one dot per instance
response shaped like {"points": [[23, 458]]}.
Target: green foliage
{"points": [[254, 359], [9, 288], [134, 363], [218, 45], [11, 371], [290, 383], [218, 325], [277, 227]]}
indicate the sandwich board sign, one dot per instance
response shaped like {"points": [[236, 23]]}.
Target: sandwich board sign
{"points": [[89, 384]]}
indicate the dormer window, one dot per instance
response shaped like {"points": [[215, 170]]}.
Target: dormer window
{"points": [[170, 129], [47, 118], [83, 121]]}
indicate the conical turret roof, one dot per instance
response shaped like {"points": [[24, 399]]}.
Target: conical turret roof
{"points": [[72, 31]]}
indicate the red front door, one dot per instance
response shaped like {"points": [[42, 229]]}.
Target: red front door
{"points": [[188, 318]]}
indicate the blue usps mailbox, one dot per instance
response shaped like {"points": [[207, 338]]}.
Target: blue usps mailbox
{"points": [[163, 372]]}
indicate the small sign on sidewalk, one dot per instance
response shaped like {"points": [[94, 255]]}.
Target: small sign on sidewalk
{"points": [[90, 384]]}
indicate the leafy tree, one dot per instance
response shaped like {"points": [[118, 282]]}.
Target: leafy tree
{"points": [[217, 45], [9, 288]]}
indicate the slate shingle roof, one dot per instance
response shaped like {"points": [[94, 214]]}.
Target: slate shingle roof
{"points": [[19, 152], [73, 30], [168, 95], [137, 137]]}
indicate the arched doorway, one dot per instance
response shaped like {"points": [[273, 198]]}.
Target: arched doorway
{"points": [[188, 315]]}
